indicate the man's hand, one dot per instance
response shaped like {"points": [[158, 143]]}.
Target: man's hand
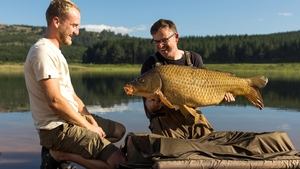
{"points": [[91, 120], [153, 104], [95, 127], [229, 97], [97, 130]]}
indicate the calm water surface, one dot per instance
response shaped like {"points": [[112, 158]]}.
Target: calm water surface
{"points": [[19, 144]]}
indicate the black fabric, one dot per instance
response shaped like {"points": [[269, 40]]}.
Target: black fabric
{"points": [[196, 60], [107, 152], [48, 162]]}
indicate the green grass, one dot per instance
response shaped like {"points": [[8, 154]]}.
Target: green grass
{"points": [[105, 68], [276, 71], [16, 68], [11, 68]]}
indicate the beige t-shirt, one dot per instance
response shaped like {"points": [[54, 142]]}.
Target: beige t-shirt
{"points": [[44, 61]]}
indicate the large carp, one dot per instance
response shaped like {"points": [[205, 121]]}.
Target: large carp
{"points": [[187, 87]]}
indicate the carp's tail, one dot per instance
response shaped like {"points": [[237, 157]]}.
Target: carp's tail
{"points": [[254, 95]]}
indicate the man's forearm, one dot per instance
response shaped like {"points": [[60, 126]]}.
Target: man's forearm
{"points": [[65, 111]]}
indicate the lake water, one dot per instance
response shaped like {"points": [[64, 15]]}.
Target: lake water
{"points": [[19, 144]]}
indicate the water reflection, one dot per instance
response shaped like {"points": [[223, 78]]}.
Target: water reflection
{"points": [[107, 91], [20, 148], [283, 94], [19, 145], [13, 93], [104, 90]]}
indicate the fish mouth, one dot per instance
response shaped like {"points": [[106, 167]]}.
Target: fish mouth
{"points": [[128, 89]]}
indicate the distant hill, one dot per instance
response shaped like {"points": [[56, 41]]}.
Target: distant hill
{"points": [[15, 41], [108, 47]]}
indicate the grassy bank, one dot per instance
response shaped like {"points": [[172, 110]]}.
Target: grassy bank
{"points": [[105, 68], [282, 70], [276, 71], [15, 68]]}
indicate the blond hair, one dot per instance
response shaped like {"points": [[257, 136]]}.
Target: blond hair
{"points": [[59, 8]]}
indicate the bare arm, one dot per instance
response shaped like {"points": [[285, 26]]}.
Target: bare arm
{"points": [[153, 104], [61, 106], [81, 107]]}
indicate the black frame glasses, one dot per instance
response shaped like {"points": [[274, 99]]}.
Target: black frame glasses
{"points": [[163, 41]]}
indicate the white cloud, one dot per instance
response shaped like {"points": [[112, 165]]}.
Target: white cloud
{"points": [[100, 109], [285, 14], [119, 29]]}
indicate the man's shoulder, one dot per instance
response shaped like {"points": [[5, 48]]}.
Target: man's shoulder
{"points": [[194, 54], [149, 61], [196, 59], [40, 45], [43, 50], [148, 64], [41, 42]]}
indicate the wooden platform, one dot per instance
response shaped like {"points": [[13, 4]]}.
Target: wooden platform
{"points": [[228, 164]]}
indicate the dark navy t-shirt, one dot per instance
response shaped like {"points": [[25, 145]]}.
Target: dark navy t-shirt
{"points": [[196, 60]]}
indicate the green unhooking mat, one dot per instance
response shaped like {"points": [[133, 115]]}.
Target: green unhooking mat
{"points": [[231, 149]]}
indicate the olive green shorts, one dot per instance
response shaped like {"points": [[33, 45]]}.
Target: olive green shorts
{"points": [[78, 140]]}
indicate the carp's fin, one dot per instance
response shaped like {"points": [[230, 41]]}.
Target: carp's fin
{"points": [[164, 100], [258, 81], [255, 97], [190, 113]]}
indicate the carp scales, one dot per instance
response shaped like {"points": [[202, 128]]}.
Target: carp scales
{"points": [[185, 87]]}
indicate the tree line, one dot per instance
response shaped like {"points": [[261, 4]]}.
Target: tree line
{"points": [[272, 48], [109, 48]]}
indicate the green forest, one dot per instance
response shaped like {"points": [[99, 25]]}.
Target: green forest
{"points": [[110, 48]]}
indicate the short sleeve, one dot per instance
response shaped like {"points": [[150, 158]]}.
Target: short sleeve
{"points": [[44, 64], [197, 60]]}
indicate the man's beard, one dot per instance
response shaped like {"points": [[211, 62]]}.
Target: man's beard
{"points": [[64, 38]]}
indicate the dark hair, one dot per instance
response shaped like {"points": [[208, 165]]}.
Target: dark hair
{"points": [[59, 8], [163, 23]]}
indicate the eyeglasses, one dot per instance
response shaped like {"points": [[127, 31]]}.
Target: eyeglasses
{"points": [[163, 41]]}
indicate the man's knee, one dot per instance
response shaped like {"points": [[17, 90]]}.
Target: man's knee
{"points": [[120, 131], [115, 159]]}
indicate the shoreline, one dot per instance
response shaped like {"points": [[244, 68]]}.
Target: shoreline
{"points": [[271, 70]]}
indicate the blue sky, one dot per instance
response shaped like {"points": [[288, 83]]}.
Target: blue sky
{"points": [[192, 17]]}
